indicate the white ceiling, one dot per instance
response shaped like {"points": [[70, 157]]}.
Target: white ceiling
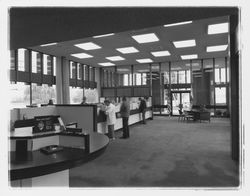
{"points": [[196, 30]]}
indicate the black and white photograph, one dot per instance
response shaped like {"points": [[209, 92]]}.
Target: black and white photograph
{"points": [[124, 97]]}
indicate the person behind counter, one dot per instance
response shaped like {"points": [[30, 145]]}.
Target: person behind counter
{"points": [[84, 99], [50, 102], [125, 112], [142, 109], [111, 118]]}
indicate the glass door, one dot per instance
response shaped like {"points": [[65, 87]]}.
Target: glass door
{"points": [[180, 98], [176, 100]]}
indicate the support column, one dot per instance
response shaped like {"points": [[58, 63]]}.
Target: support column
{"points": [[62, 80]]}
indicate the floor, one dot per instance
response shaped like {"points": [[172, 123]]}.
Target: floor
{"points": [[164, 153]]}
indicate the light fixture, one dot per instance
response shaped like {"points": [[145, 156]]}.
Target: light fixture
{"points": [[49, 44], [160, 53], [193, 64], [184, 43], [145, 38], [190, 56], [143, 70], [81, 55], [178, 23], [216, 48], [105, 35], [88, 46], [115, 58], [144, 60], [127, 50], [176, 68], [218, 28], [106, 64], [122, 69]]}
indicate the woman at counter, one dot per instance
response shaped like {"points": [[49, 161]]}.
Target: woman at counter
{"points": [[111, 118]]}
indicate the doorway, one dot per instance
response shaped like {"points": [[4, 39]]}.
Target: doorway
{"points": [[180, 97]]}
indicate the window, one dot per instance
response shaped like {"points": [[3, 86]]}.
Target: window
{"points": [[21, 59], [188, 76], [223, 75], [79, 71], [182, 77], [217, 75], [220, 95], [76, 95], [144, 79], [42, 94], [34, 61], [138, 79], [45, 64], [125, 79], [91, 95], [19, 95], [54, 65], [72, 70], [174, 77]]}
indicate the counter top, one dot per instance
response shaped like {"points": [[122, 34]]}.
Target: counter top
{"points": [[37, 163]]}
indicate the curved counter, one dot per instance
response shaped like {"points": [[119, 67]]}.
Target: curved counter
{"points": [[36, 163]]}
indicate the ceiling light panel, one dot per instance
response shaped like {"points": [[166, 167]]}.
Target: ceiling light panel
{"points": [[49, 44], [178, 23], [190, 56], [218, 28], [185, 43], [160, 53], [144, 60], [127, 50], [82, 55], [106, 64], [217, 48], [145, 38], [105, 35], [88, 46], [115, 58]]}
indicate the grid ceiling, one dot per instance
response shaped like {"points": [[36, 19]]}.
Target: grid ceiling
{"points": [[196, 30]]}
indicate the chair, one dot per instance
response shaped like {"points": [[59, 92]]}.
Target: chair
{"points": [[188, 116], [181, 116]]}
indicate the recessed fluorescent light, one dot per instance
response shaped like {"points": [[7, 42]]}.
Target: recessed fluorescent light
{"points": [[105, 35], [218, 28], [106, 64], [160, 53], [82, 55], [185, 43], [115, 58], [49, 44], [143, 70], [178, 23], [190, 56], [145, 38], [122, 69], [144, 60], [193, 64], [88, 46], [216, 48], [127, 50], [176, 68]]}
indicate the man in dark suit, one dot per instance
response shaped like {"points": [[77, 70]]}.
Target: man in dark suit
{"points": [[125, 112], [142, 109]]}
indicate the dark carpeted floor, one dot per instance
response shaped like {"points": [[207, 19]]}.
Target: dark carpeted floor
{"points": [[164, 153]]}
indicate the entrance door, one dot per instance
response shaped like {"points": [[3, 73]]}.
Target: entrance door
{"points": [[180, 98]]}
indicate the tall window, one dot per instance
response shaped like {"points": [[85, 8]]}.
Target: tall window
{"points": [[76, 95], [144, 79], [34, 61], [174, 77], [19, 95], [220, 95], [42, 94], [125, 79], [21, 59], [182, 79]]}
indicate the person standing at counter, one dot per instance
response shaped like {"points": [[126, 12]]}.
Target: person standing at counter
{"points": [[84, 99], [111, 118], [125, 112], [142, 109]]}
